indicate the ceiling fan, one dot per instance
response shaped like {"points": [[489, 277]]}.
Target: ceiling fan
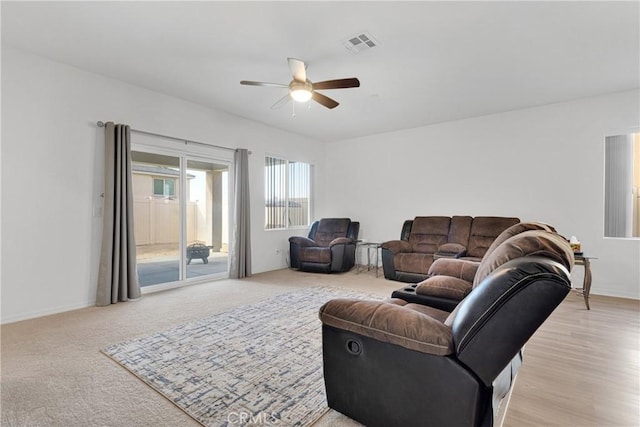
{"points": [[302, 90]]}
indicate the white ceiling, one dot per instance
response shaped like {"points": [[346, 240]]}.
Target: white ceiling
{"points": [[436, 62]]}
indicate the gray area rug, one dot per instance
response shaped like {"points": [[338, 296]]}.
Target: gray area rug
{"points": [[259, 364]]}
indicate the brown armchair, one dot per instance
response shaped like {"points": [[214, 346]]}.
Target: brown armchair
{"points": [[329, 247]]}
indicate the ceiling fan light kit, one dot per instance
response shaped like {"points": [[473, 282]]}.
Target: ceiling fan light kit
{"points": [[302, 90]]}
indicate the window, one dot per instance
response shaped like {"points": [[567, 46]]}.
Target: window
{"points": [[164, 187], [287, 193], [622, 186]]}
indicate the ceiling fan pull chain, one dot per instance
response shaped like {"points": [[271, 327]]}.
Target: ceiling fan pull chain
{"points": [[293, 109]]}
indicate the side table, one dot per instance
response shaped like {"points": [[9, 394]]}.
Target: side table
{"points": [[375, 246], [585, 261]]}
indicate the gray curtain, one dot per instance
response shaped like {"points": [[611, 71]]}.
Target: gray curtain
{"points": [[117, 277], [241, 239]]}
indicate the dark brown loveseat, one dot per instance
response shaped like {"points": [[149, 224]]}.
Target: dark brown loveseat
{"points": [[451, 280], [427, 238]]}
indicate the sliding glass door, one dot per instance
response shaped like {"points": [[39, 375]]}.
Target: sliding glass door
{"points": [[207, 219], [180, 216]]}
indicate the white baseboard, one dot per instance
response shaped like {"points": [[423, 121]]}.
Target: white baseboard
{"points": [[46, 312], [608, 292]]}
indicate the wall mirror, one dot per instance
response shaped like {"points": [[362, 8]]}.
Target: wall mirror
{"points": [[622, 186]]}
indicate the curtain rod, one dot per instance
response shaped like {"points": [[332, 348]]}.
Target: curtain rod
{"points": [[186, 141]]}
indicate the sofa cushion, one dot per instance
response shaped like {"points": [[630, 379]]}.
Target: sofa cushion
{"points": [[534, 243], [397, 246], [444, 287], [471, 258], [315, 254], [389, 322], [437, 314], [460, 229], [412, 262], [429, 232], [330, 228], [451, 249], [484, 230]]}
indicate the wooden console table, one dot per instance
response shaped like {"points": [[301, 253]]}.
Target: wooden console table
{"points": [[584, 261]]}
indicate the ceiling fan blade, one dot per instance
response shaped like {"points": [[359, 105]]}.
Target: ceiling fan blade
{"points": [[298, 69], [250, 83], [280, 102], [324, 100], [337, 84]]}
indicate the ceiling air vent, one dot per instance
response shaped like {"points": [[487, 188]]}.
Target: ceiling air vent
{"points": [[360, 42]]}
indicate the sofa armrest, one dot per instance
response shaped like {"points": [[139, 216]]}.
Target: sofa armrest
{"points": [[444, 287], [302, 241], [389, 322], [459, 268], [340, 241], [397, 246], [450, 250]]}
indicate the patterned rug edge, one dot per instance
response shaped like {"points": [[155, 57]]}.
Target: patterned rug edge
{"points": [[354, 293], [135, 375]]}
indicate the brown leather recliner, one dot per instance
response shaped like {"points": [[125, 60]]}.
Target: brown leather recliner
{"points": [[393, 363], [450, 280], [427, 238], [329, 247]]}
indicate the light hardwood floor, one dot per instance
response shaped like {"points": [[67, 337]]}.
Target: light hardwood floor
{"points": [[581, 368]]}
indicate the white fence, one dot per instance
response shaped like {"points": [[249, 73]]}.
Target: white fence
{"points": [[157, 221]]}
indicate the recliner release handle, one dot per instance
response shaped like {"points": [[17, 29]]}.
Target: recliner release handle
{"points": [[354, 347]]}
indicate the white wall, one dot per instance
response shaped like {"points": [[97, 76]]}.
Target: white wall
{"points": [[542, 164], [52, 165]]}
